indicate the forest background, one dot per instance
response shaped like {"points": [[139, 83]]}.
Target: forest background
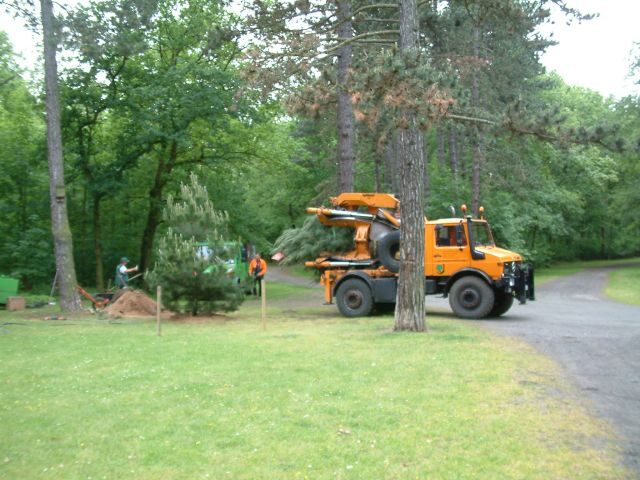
{"points": [[276, 106]]}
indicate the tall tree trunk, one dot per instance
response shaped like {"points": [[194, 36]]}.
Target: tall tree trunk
{"points": [[453, 154], [440, 142], [461, 142], [63, 243], [22, 201], [155, 206], [603, 243], [346, 156], [378, 164], [476, 168], [453, 161], [410, 306], [97, 241], [392, 166], [425, 177], [532, 237], [477, 153]]}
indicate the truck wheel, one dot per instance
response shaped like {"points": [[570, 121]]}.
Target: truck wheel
{"points": [[389, 251], [471, 297], [354, 298], [502, 304]]}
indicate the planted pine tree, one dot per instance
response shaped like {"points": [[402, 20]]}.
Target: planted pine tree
{"points": [[193, 259]]}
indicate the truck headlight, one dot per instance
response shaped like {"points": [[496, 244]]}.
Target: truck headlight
{"points": [[509, 268]]}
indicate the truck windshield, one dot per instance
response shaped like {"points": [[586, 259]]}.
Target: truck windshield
{"points": [[482, 234]]}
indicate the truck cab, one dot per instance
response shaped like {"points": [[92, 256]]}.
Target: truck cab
{"points": [[462, 260]]}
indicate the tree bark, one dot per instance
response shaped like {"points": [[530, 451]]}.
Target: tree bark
{"points": [[63, 243], [97, 241], [425, 175], [155, 206], [391, 166], [440, 142], [454, 161], [476, 167], [378, 162], [477, 153], [410, 305], [346, 156], [453, 154]]}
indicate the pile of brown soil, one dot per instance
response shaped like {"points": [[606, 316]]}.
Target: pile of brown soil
{"points": [[132, 303]]}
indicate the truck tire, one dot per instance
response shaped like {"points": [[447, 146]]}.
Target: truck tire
{"points": [[471, 297], [354, 298], [502, 304], [388, 251]]}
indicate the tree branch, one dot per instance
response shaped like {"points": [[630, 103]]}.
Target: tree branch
{"points": [[464, 118], [374, 7], [359, 37], [377, 20]]}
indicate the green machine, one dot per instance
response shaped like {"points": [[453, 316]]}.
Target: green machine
{"points": [[234, 257], [8, 288]]}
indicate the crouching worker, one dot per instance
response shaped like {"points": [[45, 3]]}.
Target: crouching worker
{"points": [[257, 269], [122, 273]]}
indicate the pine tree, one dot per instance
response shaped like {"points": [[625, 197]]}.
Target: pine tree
{"points": [[192, 260]]}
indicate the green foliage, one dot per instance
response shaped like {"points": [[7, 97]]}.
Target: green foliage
{"points": [[194, 216], [181, 273], [31, 257], [625, 198], [161, 91], [551, 201], [311, 240], [273, 180], [186, 273], [25, 244]]}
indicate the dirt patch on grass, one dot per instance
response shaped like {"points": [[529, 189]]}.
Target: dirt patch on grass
{"points": [[134, 303], [137, 304]]}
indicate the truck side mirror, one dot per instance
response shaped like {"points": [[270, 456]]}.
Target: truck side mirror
{"points": [[459, 234]]}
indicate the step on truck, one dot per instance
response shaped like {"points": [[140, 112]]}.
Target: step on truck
{"points": [[461, 262]]}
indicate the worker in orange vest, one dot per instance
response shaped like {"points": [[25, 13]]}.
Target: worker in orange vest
{"points": [[257, 270]]}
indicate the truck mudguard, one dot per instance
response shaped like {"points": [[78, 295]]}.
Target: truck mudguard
{"points": [[464, 272], [366, 278], [383, 290]]}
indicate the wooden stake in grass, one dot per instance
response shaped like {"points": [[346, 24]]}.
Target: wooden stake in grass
{"points": [[159, 309], [263, 293]]}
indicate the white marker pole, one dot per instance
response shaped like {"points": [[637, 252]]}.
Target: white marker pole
{"points": [[159, 309], [264, 303]]}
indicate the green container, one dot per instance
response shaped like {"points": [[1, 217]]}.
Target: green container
{"points": [[8, 288]]}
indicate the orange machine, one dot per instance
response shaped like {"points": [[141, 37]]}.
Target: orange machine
{"points": [[462, 261], [99, 301]]}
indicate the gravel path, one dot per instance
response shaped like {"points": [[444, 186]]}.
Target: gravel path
{"points": [[277, 273]]}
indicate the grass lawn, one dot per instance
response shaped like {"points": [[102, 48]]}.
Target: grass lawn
{"points": [[569, 268], [313, 396], [624, 285]]}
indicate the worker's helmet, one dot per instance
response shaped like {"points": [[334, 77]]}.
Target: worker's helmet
{"points": [[124, 260]]}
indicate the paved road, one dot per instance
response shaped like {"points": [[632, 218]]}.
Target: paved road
{"points": [[596, 340]]}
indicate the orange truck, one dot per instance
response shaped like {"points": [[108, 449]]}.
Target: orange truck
{"points": [[461, 262]]}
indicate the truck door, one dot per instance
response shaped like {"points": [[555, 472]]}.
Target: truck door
{"points": [[449, 250]]}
